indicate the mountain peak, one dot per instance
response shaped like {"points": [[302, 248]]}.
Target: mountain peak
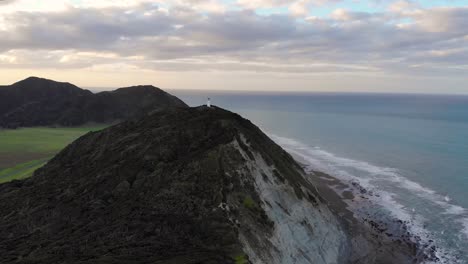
{"points": [[38, 82], [35, 78], [140, 88]]}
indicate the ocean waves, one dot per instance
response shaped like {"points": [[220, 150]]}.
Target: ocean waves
{"points": [[387, 195]]}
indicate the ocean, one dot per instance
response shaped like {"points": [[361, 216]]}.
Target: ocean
{"points": [[408, 152]]}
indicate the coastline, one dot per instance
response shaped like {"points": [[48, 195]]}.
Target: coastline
{"points": [[397, 220], [370, 241]]}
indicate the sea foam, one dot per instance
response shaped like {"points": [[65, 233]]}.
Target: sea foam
{"points": [[372, 177]]}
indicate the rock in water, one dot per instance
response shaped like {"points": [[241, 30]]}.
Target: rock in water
{"points": [[189, 185]]}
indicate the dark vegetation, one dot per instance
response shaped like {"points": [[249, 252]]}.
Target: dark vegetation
{"points": [[41, 102], [148, 190]]}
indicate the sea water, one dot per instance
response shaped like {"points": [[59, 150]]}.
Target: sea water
{"points": [[411, 151]]}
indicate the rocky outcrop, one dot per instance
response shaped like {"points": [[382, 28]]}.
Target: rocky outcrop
{"points": [[41, 102]]}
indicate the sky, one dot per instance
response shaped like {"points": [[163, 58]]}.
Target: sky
{"points": [[415, 46]]}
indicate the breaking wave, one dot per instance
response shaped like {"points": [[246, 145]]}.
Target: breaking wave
{"points": [[384, 188]]}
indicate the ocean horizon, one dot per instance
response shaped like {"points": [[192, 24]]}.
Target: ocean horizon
{"points": [[409, 152]]}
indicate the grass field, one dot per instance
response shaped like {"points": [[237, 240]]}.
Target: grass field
{"points": [[24, 150]]}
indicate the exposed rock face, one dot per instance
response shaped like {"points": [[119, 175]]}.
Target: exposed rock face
{"points": [[304, 230], [40, 102], [188, 185]]}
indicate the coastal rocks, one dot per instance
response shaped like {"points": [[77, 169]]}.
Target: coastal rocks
{"points": [[376, 237]]}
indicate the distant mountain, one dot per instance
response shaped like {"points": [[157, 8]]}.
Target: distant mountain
{"points": [[180, 186], [41, 102]]}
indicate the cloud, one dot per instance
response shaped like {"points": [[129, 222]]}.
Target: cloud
{"points": [[292, 4], [252, 4], [197, 35], [300, 8], [402, 6]]}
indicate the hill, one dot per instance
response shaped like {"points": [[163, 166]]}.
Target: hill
{"points": [[180, 186], [41, 102]]}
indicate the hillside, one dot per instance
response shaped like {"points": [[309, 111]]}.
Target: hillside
{"points": [[187, 185], [41, 102]]}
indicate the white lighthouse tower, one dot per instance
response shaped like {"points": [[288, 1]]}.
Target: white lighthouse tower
{"points": [[208, 103]]}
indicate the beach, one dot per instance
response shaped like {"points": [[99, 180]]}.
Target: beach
{"points": [[371, 240]]}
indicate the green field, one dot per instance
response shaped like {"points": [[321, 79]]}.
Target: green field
{"points": [[24, 150]]}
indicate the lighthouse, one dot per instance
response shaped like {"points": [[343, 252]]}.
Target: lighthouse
{"points": [[208, 103]]}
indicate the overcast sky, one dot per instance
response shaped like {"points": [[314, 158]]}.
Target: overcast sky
{"points": [[307, 45]]}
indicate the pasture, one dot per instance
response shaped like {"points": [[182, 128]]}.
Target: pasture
{"points": [[24, 150]]}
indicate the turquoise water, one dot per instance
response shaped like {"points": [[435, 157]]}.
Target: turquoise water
{"points": [[409, 150]]}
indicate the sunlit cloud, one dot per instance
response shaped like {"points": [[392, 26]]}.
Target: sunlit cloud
{"points": [[404, 38]]}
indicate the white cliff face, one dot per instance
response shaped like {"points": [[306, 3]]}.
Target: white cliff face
{"points": [[303, 232]]}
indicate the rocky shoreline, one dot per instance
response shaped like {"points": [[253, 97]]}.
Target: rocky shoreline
{"points": [[382, 241]]}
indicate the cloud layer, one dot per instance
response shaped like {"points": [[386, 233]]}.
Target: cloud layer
{"points": [[207, 35]]}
